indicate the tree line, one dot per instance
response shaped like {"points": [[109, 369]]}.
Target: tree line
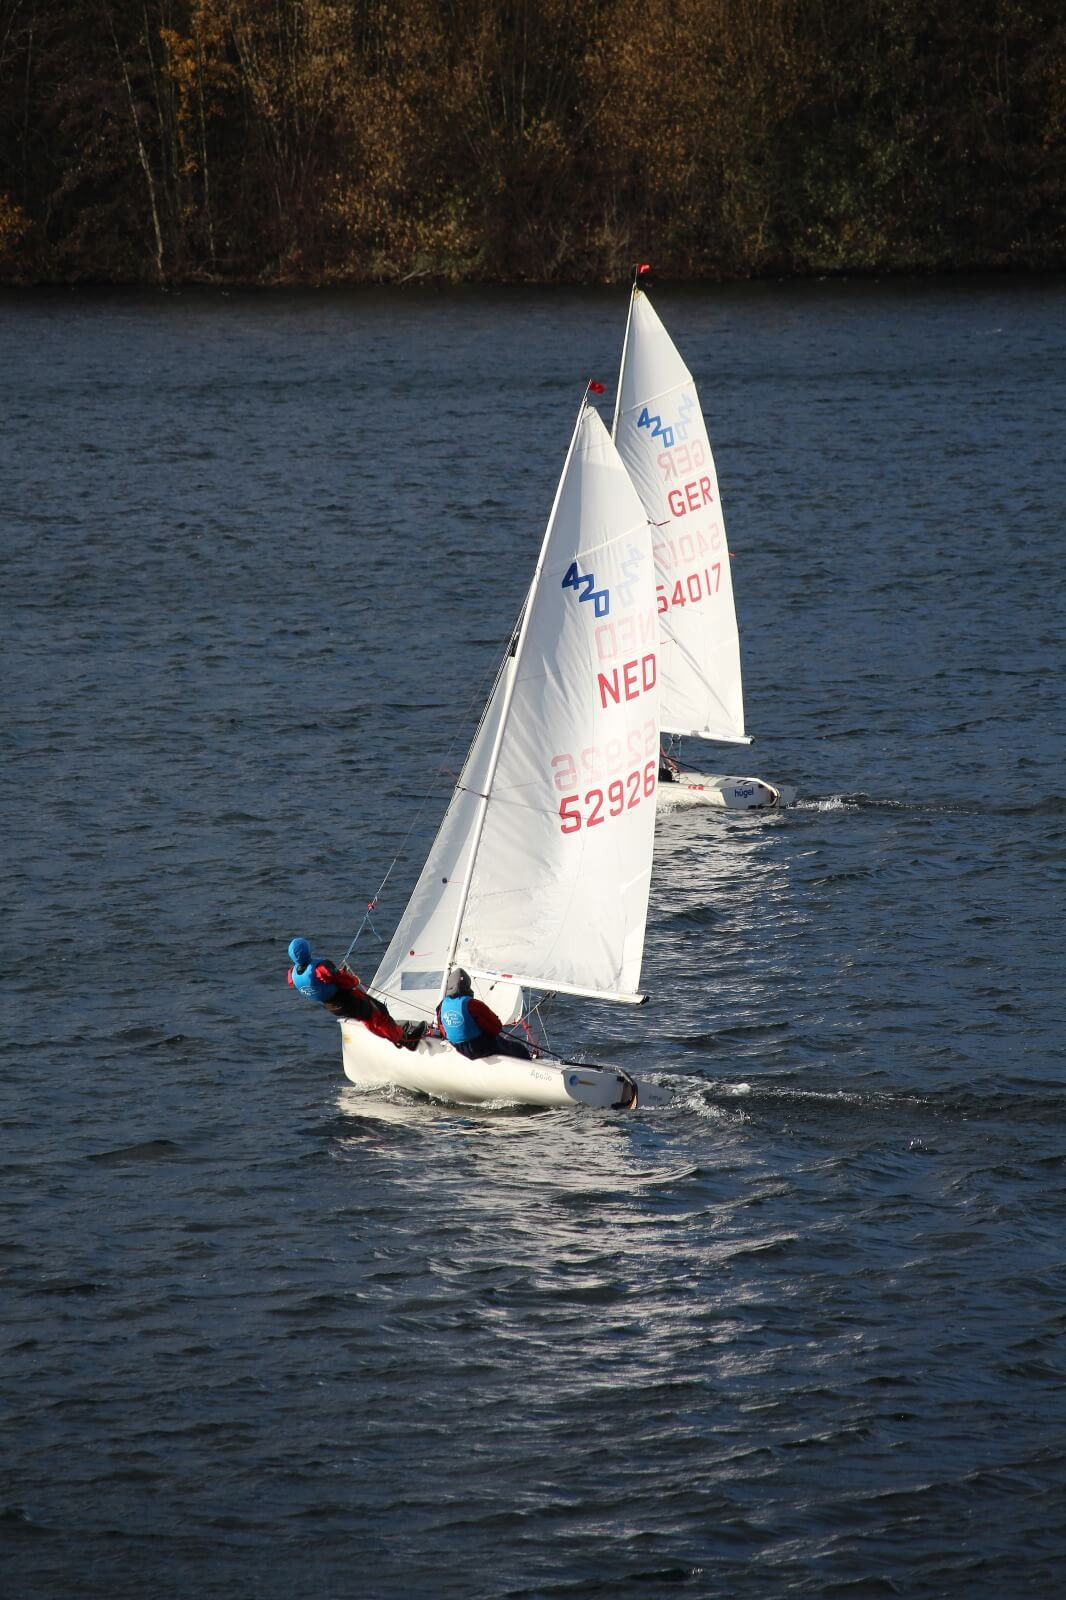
{"points": [[339, 141]]}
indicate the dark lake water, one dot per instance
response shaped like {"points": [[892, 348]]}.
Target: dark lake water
{"points": [[801, 1334]]}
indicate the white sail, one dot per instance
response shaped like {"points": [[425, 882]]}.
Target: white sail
{"points": [[540, 871], [662, 438], [412, 970], [559, 888]]}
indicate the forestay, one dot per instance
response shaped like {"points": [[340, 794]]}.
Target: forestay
{"points": [[662, 438], [557, 797]]}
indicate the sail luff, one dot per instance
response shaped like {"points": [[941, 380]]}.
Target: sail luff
{"points": [[494, 758]]}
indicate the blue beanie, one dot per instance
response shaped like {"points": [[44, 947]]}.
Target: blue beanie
{"points": [[299, 952]]}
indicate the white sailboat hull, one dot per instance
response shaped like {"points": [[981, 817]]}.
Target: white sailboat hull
{"points": [[434, 1068], [731, 794]]}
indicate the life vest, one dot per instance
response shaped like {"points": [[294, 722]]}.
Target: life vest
{"points": [[459, 1026], [304, 979]]}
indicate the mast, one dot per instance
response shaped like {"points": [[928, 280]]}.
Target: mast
{"points": [[622, 368], [494, 758]]}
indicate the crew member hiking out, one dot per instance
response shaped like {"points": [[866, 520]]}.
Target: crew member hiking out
{"points": [[341, 992], [471, 1026]]}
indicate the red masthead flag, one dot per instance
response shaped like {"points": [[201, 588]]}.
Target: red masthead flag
{"points": [[645, 266], [595, 388]]}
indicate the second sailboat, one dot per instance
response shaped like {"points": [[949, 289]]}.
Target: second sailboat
{"points": [[661, 436]]}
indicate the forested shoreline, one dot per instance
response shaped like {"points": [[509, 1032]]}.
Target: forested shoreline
{"points": [[348, 141]]}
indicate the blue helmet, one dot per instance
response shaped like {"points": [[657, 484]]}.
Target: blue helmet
{"points": [[299, 952]]}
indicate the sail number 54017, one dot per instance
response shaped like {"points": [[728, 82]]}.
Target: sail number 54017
{"points": [[597, 805], [690, 590]]}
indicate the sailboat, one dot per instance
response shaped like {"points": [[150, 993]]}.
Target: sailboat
{"points": [[661, 436], [539, 873]]}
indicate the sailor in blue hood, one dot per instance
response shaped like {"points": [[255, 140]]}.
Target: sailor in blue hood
{"points": [[341, 992]]}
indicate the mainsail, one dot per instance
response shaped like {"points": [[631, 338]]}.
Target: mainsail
{"points": [[661, 436], [539, 874]]}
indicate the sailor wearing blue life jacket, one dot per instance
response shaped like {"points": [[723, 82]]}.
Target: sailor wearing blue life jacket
{"points": [[470, 1025], [341, 992]]}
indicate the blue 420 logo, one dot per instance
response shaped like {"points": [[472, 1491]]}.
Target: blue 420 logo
{"points": [[659, 429], [664, 430], [585, 584]]}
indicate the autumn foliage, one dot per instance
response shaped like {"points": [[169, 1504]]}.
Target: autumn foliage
{"points": [[351, 140]]}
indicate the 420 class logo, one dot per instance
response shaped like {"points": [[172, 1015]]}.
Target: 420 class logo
{"points": [[585, 585], [670, 434]]}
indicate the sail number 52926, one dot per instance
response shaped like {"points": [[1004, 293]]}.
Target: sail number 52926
{"points": [[597, 805]]}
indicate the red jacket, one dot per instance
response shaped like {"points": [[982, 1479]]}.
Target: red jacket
{"points": [[326, 972], [485, 1017]]}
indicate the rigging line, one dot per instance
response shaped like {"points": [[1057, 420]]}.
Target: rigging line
{"points": [[366, 918], [539, 1011], [442, 770]]}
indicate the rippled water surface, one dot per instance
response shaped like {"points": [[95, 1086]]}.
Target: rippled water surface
{"points": [[263, 1335]]}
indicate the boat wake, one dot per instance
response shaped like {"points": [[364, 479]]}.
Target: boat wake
{"points": [[1053, 805], [833, 802]]}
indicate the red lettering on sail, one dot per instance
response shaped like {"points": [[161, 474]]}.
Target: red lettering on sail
{"points": [[692, 497], [629, 632], [577, 811], [636, 678]]}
